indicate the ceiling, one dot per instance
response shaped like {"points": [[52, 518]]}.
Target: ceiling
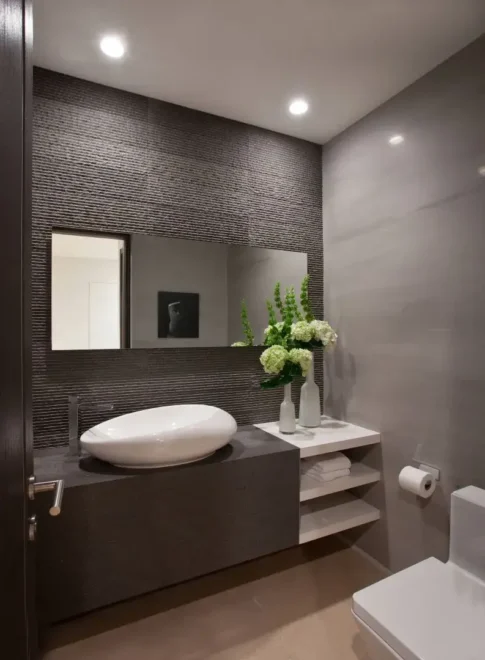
{"points": [[85, 247], [246, 59]]}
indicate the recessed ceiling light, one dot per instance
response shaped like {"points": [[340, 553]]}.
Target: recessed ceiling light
{"points": [[112, 46], [298, 107], [481, 170], [396, 139]]}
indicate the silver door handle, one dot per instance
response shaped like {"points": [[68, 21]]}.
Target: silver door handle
{"points": [[43, 486]]}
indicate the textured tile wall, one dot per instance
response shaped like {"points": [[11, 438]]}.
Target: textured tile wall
{"points": [[404, 285], [108, 160]]}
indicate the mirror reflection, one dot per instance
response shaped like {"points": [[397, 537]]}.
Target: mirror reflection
{"points": [[87, 273], [140, 291]]}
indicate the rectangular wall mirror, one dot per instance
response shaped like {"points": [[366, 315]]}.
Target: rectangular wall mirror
{"points": [[137, 291]]}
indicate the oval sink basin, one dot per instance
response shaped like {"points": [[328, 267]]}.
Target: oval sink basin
{"points": [[159, 437]]}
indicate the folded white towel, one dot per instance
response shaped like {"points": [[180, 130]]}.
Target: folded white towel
{"points": [[329, 476], [327, 463]]}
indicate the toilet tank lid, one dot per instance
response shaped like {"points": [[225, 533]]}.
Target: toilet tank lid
{"points": [[472, 494], [431, 611]]}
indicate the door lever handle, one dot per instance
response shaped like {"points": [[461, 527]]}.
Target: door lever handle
{"points": [[44, 486]]}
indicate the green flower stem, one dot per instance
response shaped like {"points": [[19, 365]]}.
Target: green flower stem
{"points": [[271, 313], [278, 301], [248, 331], [305, 299]]}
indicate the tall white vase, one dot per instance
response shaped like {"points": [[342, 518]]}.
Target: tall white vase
{"points": [[287, 412], [310, 412]]}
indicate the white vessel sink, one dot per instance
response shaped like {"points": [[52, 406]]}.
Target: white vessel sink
{"points": [[159, 437]]}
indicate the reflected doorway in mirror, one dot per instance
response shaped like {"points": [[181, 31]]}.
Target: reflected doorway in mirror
{"points": [[178, 315]]}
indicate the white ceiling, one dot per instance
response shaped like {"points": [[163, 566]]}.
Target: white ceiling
{"points": [[79, 246], [245, 59]]}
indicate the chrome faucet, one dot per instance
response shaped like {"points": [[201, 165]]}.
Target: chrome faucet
{"points": [[75, 405]]}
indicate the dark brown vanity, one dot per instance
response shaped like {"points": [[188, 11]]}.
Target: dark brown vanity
{"points": [[124, 533]]}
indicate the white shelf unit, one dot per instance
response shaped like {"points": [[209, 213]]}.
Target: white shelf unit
{"points": [[334, 514], [325, 506], [360, 475], [332, 435]]}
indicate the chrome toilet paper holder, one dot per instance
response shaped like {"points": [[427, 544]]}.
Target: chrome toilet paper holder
{"points": [[432, 470]]}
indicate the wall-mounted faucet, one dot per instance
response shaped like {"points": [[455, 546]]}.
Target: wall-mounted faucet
{"points": [[76, 404]]}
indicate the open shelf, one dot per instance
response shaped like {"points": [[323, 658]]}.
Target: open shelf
{"points": [[334, 514], [332, 435], [326, 508], [360, 475]]}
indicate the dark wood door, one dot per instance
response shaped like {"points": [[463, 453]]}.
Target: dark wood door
{"points": [[17, 579]]}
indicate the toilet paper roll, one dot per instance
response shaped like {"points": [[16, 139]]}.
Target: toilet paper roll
{"points": [[416, 481]]}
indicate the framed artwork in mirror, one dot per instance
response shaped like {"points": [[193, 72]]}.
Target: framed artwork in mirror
{"points": [[178, 315]]}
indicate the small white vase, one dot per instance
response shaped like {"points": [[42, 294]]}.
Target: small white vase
{"points": [[310, 413], [287, 412]]}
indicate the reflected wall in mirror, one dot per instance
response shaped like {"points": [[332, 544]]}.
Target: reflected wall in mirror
{"points": [[87, 291], [180, 293]]}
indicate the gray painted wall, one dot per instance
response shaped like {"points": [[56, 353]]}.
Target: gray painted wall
{"points": [[404, 233], [108, 160]]}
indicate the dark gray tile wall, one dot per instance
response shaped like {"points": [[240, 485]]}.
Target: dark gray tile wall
{"points": [[108, 160], [404, 232]]}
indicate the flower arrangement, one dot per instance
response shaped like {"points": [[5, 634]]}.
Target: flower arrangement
{"points": [[291, 340]]}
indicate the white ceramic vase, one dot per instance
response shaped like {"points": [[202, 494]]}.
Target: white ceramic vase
{"points": [[287, 412], [310, 412]]}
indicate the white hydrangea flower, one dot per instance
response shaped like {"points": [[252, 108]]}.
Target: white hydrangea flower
{"points": [[273, 359], [278, 326], [303, 357], [302, 331], [322, 331]]}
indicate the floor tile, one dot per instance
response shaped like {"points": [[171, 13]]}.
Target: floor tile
{"points": [[291, 606]]}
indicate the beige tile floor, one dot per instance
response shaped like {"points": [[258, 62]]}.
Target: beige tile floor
{"points": [[290, 606]]}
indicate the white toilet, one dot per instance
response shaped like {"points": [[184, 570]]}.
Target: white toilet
{"points": [[433, 611]]}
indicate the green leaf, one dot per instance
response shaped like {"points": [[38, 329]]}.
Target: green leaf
{"points": [[286, 376]]}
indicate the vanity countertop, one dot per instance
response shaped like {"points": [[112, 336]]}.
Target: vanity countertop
{"points": [[55, 463]]}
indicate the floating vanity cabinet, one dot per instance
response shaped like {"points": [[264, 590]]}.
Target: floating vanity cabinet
{"points": [[123, 533]]}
